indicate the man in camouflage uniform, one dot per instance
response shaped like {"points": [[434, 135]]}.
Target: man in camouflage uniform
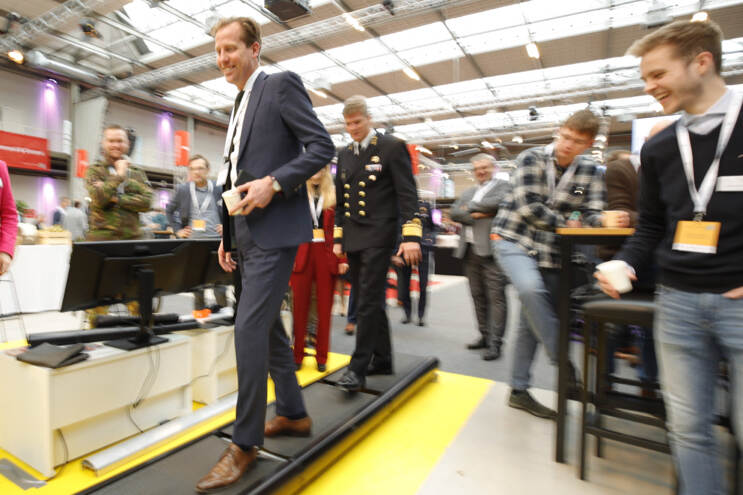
{"points": [[118, 191]]}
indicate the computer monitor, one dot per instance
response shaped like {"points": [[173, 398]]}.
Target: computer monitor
{"points": [[108, 272]]}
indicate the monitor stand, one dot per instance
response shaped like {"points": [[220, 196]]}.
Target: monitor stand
{"points": [[146, 291]]}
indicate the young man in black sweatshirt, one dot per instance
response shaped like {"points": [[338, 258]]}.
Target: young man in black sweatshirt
{"points": [[691, 199]]}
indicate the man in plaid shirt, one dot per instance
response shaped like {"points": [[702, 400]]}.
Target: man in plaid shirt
{"points": [[553, 186]]}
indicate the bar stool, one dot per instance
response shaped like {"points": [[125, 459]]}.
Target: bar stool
{"points": [[634, 310]]}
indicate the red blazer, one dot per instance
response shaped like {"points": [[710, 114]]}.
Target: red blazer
{"points": [[303, 252], [9, 215]]}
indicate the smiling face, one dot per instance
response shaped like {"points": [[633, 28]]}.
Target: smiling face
{"points": [[236, 60], [115, 144], [673, 81], [483, 170]]}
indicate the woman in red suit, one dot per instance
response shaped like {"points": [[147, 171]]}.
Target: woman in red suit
{"points": [[316, 263]]}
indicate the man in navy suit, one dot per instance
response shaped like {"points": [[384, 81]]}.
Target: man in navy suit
{"points": [[275, 142]]}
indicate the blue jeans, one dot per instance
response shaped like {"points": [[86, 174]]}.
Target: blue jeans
{"points": [[537, 290], [693, 331]]}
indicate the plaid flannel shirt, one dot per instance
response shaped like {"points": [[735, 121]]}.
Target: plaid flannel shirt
{"points": [[525, 217]]}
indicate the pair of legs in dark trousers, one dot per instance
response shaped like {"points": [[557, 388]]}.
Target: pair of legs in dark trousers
{"points": [[488, 288], [261, 344], [403, 285], [368, 269]]}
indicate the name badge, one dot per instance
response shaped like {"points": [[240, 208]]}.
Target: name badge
{"points": [[730, 183], [373, 167], [198, 225], [318, 235], [696, 237]]}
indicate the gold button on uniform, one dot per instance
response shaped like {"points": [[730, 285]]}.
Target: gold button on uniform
{"points": [[362, 213], [362, 183], [362, 194], [346, 186], [362, 203], [348, 214], [346, 195], [373, 177], [346, 205]]}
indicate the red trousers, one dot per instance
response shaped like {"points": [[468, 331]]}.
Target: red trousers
{"points": [[316, 270]]}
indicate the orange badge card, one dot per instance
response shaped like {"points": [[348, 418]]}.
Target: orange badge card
{"points": [[696, 237], [318, 235], [198, 225]]}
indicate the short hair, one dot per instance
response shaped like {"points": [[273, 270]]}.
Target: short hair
{"points": [[199, 157], [115, 127], [483, 157], [583, 121], [687, 38], [616, 155], [355, 104], [76, 204], [250, 30]]}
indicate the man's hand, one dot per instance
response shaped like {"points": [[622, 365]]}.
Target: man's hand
{"points": [[184, 233], [342, 268], [258, 194], [609, 289], [97, 183], [121, 166], [338, 250], [410, 252], [4, 263], [219, 228], [621, 219], [225, 259], [736, 293], [397, 261], [574, 224], [477, 215]]}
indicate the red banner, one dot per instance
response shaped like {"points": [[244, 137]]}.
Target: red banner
{"points": [[21, 151], [81, 162], [414, 161], [182, 149]]}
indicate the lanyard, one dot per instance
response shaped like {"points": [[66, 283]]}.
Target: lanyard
{"points": [[201, 208], [567, 176], [315, 210], [701, 197]]}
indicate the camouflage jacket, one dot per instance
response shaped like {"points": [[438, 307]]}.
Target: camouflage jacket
{"points": [[116, 202]]}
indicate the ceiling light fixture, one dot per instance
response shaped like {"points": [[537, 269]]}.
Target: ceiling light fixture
{"points": [[700, 16], [517, 139], [16, 56], [353, 22], [532, 50], [411, 73], [487, 145]]}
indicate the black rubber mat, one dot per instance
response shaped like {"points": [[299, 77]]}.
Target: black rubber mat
{"points": [[329, 408], [179, 472]]}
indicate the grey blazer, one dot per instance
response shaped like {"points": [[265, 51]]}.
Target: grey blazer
{"points": [[460, 212]]}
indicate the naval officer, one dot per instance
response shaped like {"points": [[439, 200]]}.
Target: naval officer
{"points": [[374, 188]]}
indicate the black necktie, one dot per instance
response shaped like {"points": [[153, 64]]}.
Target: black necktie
{"points": [[227, 223]]}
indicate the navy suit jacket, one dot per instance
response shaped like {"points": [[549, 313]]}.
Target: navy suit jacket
{"points": [[282, 137], [181, 203]]}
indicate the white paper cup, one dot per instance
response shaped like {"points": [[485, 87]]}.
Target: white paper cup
{"points": [[611, 218], [231, 199], [615, 272]]}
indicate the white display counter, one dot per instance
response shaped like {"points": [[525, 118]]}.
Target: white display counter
{"points": [[89, 402], [213, 363], [40, 275]]}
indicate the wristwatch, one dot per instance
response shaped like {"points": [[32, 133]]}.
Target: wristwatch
{"points": [[275, 184]]}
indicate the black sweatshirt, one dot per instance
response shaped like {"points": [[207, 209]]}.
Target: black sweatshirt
{"points": [[665, 199]]}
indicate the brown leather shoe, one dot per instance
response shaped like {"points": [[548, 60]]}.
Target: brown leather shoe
{"points": [[350, 327], [281, 425], [231, 466]]}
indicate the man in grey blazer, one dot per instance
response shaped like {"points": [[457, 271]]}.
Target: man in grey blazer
{"points": [[475, 210], [275, 142]]}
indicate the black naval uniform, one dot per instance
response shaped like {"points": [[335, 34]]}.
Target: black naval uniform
{"points": [[373, 190], [405, 272]]}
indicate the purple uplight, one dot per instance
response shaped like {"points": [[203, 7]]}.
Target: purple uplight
{"points": [[333, 169], [164, 199], [50, 93], [165, 133], [436, 216], [48, 196]]}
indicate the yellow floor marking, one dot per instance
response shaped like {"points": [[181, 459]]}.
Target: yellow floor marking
{"points": [[399, 454], [73, 478]]}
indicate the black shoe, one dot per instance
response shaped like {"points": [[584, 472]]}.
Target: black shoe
{"points": [[405, 320], [379, 368], [491, 353], [421, 322], [478, 344], [298, 366], [351, 382], [522, 399], [321, 367], [215, 308]]}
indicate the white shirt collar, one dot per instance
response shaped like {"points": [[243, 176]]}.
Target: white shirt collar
{"points": [[706, 122], [251, 80]]}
